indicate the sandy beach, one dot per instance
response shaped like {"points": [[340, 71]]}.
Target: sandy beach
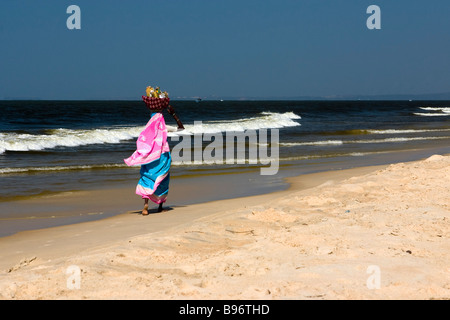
{"points": [[365, 233]]}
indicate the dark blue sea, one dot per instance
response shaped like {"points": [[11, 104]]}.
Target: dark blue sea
{"points": [[48, 147]]}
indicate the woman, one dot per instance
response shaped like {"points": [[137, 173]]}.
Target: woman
{"points": [[153, 154]]}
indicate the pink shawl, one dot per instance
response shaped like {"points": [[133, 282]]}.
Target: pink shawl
{"points": [[151, 143]]}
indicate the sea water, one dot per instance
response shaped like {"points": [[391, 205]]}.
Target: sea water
{"points": [[48, 147]]}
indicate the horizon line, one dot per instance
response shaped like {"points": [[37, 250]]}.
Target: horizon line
{"points": [[386, 97]]}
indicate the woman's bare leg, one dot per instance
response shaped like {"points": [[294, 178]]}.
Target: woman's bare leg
{"points": [[145, 211]]}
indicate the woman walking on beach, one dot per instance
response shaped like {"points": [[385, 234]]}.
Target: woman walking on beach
{"points": [[152, 151]]}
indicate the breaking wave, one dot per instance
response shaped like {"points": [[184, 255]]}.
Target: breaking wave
{"points": [[443, 112], [12, 141]]}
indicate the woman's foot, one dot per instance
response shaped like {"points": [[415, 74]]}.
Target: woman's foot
{"points": [[145, 210], [160, 208]]}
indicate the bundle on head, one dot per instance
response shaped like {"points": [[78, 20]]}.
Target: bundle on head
{"points": [[156, 104]]}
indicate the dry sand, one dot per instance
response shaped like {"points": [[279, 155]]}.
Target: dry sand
{"points": [[373, 233]]}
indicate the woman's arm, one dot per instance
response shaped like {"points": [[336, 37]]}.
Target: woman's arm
{"points": [[174, 115]]}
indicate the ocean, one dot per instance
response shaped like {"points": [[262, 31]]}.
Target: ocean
{"points": [[48, 147]]}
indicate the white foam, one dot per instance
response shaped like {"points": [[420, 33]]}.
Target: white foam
{"points": [[397, 131], [431, 114], [339, 142], [266, 120], [72, 138], [443, 109], [64, 138], [398, 139], [60, 168], [313, 143]]}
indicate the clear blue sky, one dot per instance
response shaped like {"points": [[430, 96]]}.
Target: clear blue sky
{"points": [[218, 48]]}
